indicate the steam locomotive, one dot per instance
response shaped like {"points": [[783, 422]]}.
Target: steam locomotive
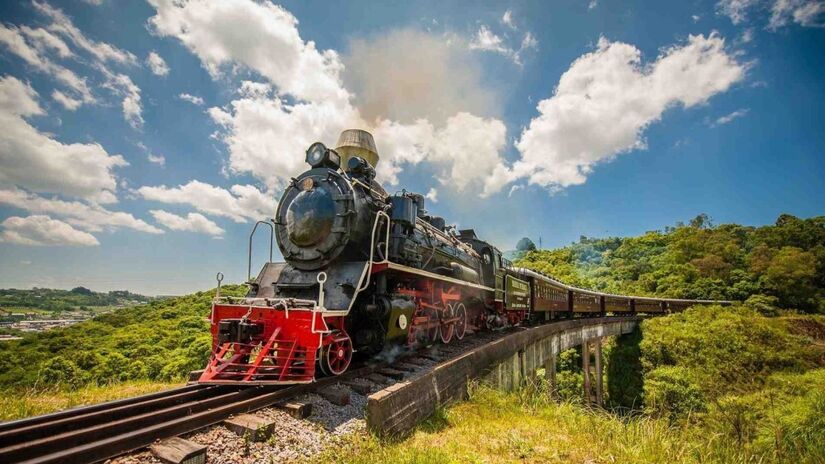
{"points": [[365, 271]]}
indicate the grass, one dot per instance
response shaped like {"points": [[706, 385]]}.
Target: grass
{"points": [[497, 427], [17, 404]]}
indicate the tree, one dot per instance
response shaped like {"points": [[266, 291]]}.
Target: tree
{"points": [[525, 244]]}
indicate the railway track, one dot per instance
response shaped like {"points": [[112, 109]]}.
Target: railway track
{"points": [[99, 432]]}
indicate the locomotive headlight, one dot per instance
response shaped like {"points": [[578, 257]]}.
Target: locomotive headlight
{"points": [[315, 154], [318, 155]]}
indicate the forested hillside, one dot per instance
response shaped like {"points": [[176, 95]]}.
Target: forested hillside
{"points": [[160, 341], [784, 262]]}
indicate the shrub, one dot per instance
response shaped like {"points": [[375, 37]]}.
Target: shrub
{"points": [[670, 392]]}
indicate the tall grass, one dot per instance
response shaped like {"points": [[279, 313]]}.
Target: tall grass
{"points": [[20, 403], [529, 426]]}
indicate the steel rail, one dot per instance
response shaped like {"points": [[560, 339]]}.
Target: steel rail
{"points": [[34, 420], [100, 432]]}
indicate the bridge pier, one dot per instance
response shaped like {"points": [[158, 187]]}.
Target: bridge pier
{"points": [[550, 372], [593, 378]]}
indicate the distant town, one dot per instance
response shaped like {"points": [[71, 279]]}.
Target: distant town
{"points": [[40, 309]]}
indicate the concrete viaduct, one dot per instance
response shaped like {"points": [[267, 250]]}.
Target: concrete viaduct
{"points": [[504, 363]]}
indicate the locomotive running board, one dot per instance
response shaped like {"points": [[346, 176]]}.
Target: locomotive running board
{"points": [[389, 265]]}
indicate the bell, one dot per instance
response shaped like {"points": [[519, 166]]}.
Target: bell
{"points": [[357, 142]]}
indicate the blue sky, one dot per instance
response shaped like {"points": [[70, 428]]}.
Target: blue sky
{"points": [[142, 140]]}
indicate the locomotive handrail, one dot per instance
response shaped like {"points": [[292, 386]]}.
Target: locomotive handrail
{"points": [[271, 246], [378, 216]]}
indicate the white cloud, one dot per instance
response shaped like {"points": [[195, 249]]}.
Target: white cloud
{"points": [[266, 136], [745, 37], [730, 117], [808, 13], [736, 10], [61, 24], [39, 163], [43, 231], [507, 19], [266, 131], [466, 149], [66, 101], [486, 40], [89, 217], [193, 222], [432, 195], [44, 40], [260, 36], [606, 100], [14, 39], [695, 18], [157, 159], [592, 4], [156, 64], [198, 101], [240, 203], [122, 86]]}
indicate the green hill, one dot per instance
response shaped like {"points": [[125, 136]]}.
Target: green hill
{"points": [[784, 262], [162, 340]]}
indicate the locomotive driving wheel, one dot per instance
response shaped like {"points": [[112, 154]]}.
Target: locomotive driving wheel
{"points": [[460, 325], [446, 329], [337, 355]]}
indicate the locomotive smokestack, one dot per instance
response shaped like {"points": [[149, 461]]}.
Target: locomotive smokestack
{"points": [[357, 142]]}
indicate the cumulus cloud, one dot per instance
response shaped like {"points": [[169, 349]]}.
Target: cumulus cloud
{"points": [[407, 85], [193, 222], [37, 162], [156, 64], [266, 136], [606, 100], [730, 117], [198, 101], [240, 203], [43, 231], [87, 216], [260, 36], [466, 149]]}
